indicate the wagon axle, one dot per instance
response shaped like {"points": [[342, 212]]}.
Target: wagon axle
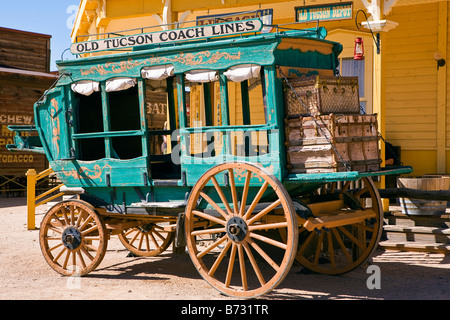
{"points": [[237, 229], [71, 238]]}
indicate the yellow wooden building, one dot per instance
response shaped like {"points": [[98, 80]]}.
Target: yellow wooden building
{"points": [[406, 83]]}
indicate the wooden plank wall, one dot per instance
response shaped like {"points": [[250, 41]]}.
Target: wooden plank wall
{"points": [[411, 81], [24, 50]]}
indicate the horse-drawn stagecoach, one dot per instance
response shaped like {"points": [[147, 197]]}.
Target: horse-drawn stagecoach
{"points": [[216, 137]]}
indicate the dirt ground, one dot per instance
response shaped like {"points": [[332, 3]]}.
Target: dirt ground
{"points": [[24, 274]]}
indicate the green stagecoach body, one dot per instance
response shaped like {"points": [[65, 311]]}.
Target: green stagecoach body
{"points": [[103, 142], [130, 170]]}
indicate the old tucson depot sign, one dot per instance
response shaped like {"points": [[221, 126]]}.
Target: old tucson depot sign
{"points": [[338, 11], [166, 36]]}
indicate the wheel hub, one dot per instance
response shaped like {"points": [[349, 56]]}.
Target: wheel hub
{"points": [[236, 229], [71, 238]]}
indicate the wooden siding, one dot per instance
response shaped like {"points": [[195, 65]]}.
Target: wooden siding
{"points": [[411, 84], [24, 50]]}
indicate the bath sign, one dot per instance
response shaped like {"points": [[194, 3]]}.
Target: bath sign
{"points": [[338, 11], [167, 36]]}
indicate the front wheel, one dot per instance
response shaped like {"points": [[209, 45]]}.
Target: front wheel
{"points": [[234, 217], [73, 238]]}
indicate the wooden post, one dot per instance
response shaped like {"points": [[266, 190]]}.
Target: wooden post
{"points": [[31, 194]]}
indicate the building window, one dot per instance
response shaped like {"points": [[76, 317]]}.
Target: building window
{"points": [[355, 68]]}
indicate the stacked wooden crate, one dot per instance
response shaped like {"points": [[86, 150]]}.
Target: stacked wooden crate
{"points": [[325, 131]]}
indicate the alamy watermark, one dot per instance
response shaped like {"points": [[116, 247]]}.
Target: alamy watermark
{"points": [[72, 11], [374, 280]]}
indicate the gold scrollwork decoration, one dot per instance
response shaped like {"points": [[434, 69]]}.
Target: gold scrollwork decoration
{"points": [[86, 173], [188, 59]]}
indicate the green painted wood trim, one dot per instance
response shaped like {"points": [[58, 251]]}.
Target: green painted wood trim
{"points": [[245, 103], [109, 134], [142, 112], [254, 127], [106, 120], [208, 105]]}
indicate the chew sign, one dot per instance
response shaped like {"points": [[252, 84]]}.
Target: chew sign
{"points": [[166, 36]]}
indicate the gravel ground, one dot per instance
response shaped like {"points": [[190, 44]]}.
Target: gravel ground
{"points": [[24, 274]]}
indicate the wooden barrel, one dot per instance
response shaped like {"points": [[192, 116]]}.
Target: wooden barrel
{"points": [[429, 183]]}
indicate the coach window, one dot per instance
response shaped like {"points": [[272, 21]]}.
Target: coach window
{"points": [[160, 120], [247, 107], [203, 109], [123, 109], [107, 119], [89, 119]]}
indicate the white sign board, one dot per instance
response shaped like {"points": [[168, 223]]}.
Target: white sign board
{"points": [[160, 37]]}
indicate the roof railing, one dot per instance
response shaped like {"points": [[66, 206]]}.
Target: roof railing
{"points": [[198, 22]]}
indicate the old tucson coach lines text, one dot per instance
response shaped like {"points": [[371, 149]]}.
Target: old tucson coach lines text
{"points": [[198, 32]]}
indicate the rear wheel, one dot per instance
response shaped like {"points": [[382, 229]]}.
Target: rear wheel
{"points": [[148, 240], [344, 229]]}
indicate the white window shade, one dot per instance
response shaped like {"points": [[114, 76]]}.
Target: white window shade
{"points": [[157, 72], [118, 84], [243, 72], [202, 76], [85, 87]]}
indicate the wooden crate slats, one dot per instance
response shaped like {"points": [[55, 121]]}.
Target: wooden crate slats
{"points": [[355, 138]]}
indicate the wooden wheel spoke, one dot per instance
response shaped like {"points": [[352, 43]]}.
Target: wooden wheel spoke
{"points": [[211, 247], [66, 260], [230, 265], [207, 231], [345, 186], [242, 267], [81, 259], [85, 223], [64, 214], [330, 249], [55, 229], [233, 191], [269, 240], [358, 193], [221, 195], [256, 199], [254, 264], [135, 236], [148, 237], [248, 177], [264, 255], [72, 214], [268, 226], [214, 205], [305, 243], [342, 245], [59, 255], [86, 251], [219, 259], [91, 229], [209, 217], [154, 232], [56, 246], [318, 249], [141, 239], [352, 237], [265, 211]]}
